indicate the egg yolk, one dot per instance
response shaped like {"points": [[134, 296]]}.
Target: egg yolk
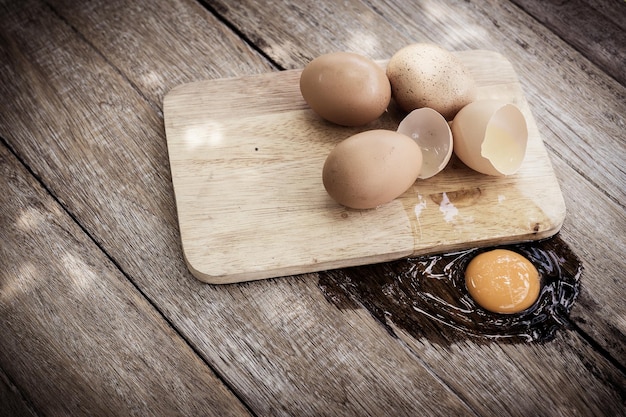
{"points": [[502, 281]]}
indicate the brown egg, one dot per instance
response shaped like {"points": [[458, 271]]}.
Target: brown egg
{"points": [[426, 75], [345, 88], [371, 168], [502, 281]]}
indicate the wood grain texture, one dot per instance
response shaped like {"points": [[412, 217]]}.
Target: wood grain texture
{"points": [[548, 392], [578, 108], [193, 44], [77, 337], [576, 21], [246, 156], [12, 403], [279, 343], [612, 10], [279, 364]]}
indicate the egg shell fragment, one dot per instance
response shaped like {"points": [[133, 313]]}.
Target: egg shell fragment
{"points": [[371, 168], [345, 88], [430, 130], [427, 75], [490, 136]]}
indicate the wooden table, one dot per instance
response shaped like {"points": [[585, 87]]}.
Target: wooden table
{"points": [[99, 314]]}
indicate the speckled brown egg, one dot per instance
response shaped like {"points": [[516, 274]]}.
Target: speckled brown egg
{"points": [[345, 88], [371, 168], [427, 75]]}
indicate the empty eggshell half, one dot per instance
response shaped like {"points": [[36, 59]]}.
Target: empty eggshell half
{"points": [[490, 136], [430, 130]]}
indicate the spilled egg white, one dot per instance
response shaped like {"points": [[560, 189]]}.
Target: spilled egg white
{"points": [[490, 136], [430, 130]]}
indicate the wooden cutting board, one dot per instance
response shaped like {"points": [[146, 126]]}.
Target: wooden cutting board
{"points": [[246, 156]]}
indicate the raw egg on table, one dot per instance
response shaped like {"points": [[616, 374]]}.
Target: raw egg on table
{"points": [[502, 281], [427, 75], [430, 130], [490, 136], [371, 168], [345, 88]]}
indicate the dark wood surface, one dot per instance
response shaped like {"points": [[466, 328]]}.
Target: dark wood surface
{"points": [[98, 312]]}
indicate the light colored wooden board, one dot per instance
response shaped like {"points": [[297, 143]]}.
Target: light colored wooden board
{"points": [[246, 156]]}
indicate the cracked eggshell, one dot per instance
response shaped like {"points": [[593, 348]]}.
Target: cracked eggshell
{"points": [[430, 130], [490, 136], [427, 75]]}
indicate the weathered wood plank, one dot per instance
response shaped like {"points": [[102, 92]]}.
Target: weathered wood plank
{"points": [[193, 45], [597, 30], [283, 347], [612, 10], [549, 392], [12, 403], [77, 337], [276, 345], [600, 244], [579, 109], [490, 384]]}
